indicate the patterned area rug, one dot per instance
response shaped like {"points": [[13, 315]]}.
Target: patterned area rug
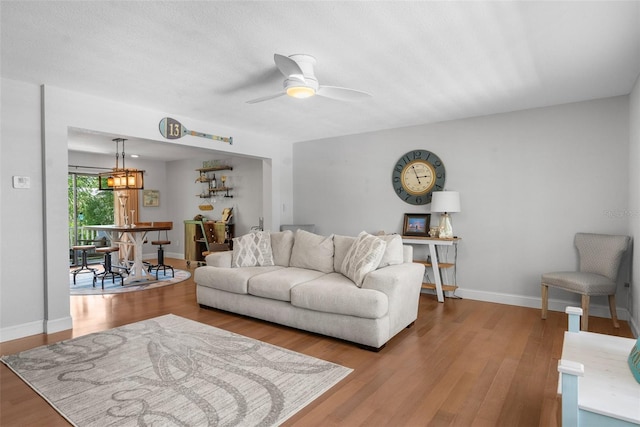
{"points": [[84, 283], [173, 371]]}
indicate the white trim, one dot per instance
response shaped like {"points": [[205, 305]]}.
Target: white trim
{"points": [[34, 328], [635, 328], [20, 331], [57, 325], [536, 302]]}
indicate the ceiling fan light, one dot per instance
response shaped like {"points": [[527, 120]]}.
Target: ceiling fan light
{"points": [[300, 92]]}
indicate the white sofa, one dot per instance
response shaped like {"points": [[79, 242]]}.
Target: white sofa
{"points": [[305, 285]]}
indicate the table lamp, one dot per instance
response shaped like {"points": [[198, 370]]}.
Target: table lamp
{"points": [[445, 202]]}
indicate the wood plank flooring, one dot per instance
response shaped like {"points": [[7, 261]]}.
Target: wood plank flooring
{"points": [[463, 363]]}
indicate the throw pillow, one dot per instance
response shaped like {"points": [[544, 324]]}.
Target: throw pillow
{"points": [[312, 251], [252, 250], [341, 245], [394, 253], [281, 246], [363, 257]]}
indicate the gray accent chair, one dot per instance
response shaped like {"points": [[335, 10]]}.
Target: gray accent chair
{"points": [[600, 256]]}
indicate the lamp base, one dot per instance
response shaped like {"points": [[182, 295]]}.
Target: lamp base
{"points": [[445, 230]]}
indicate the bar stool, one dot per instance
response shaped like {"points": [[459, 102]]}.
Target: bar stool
{"points": [[84, 267], [108, 271], [159, 243]]}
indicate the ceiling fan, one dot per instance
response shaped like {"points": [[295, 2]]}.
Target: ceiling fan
{"points": [[301, 81]]}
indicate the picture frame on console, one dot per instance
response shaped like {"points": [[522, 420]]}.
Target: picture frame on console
{"points": [[416, 225]]}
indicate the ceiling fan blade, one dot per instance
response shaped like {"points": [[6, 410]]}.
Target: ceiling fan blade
{"points": [[342, 94], [288, 67], [265, 98]]}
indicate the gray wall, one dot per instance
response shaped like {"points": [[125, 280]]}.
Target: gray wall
{"points": [[528, 181], [22, 299]]}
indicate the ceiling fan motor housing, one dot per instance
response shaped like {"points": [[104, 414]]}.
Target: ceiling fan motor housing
{"points": [[302, 86]]}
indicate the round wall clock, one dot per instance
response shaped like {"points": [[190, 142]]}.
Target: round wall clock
{"points": [[416, 175]]}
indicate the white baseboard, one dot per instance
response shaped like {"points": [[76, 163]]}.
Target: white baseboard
{"points": [[57, 325], [20, 331], [635, 328], [596, 310], [175, 255], [34, 328]]}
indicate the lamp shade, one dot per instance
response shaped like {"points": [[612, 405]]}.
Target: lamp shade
{"points": [[445, 201]]}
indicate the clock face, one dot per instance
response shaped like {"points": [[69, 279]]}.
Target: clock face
{"points": [[416, 175]]}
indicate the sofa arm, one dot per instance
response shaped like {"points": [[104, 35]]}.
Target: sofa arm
{"points": [[402, 284], [219, 259]]}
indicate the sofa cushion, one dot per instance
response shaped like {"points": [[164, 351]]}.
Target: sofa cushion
{"points": [[281, 245], [229, 279], [312, 251], [251, 250], [363, 257], [394, 252], [278, 284], [334, 293], [341, 245]]}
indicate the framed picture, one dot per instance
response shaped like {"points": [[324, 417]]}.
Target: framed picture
{"points": [[150, 198], [416, 225]]}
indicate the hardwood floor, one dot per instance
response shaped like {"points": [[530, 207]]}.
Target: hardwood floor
{"points": [[463, 363]]}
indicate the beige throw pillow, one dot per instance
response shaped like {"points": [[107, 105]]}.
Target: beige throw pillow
{"points": [[312, 251], [281, 246], [394, 253], [252, 250], [363, 257], [341, 245]]}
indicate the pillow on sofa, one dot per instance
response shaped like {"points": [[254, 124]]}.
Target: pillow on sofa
{"points": [[251, 250], [312, 251], [341, 245], [394, 253], [363, 257], [281, 245]]}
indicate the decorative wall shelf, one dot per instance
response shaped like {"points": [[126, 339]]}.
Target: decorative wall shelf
{"points": [[204, 178]]}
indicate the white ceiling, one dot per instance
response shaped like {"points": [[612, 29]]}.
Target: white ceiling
{"points": [[422, 61]]}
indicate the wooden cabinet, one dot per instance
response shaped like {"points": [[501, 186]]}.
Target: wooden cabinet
{"points": [[219, 235], [201, 237], [195, 242]]}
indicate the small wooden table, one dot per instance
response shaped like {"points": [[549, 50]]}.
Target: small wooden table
{"points": [[433, 242], [125, 236]]}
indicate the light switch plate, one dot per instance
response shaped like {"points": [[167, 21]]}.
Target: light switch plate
{"points": [[21, 182]]}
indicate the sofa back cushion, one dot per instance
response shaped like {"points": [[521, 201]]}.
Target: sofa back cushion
{"points": [[363, 257], [394, 253], [341, 245], [312, 251], [252, 250], [281, 246]]}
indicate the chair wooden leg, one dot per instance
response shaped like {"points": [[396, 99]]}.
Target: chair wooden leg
{"points": [[585, 312], [612, 307], [545, 300]]}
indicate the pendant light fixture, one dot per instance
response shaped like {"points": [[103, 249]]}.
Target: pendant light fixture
{"points": [[121, 178]]}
